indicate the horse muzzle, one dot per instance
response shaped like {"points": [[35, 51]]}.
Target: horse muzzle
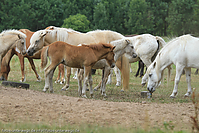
{"points": [[134, 55], [112, 65], [30, 52], [151, 90]]}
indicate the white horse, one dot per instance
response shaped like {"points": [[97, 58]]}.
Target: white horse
{"points": [[146, 47], [10, 39], [183, 52]]}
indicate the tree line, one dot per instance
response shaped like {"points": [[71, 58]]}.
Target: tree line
{"points": [[157, 17]]}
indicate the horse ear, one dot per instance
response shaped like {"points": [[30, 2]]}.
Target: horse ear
{"points": [[19, 37], [127, 41], [113, 48], [154, 64], [43, 33]]}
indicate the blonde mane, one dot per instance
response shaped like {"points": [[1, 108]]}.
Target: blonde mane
{"points": [[13, 31]]}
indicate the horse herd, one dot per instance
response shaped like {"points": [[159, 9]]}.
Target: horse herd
{"points": [[99, 49]]}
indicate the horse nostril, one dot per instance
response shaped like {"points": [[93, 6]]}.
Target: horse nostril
{"points": [[134, 55], [113, 65]]}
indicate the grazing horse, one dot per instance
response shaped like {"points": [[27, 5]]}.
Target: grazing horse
{"points": [[83, 57], [45, 37], [146, 47], [5, 66], [183, 52], [12, 39]]}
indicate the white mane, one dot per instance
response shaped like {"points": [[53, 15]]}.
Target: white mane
{"points": [[12, 31]]}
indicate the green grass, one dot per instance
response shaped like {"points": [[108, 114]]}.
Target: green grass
{"points": [[31, 128]]}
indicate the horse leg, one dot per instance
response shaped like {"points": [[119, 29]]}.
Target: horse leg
{"points": [[137, 73], [68, 73], [34, 69], [61, 70], [196, 72], [109, 81], [130, 68], [5, 65], [75, 75], [90, 83], [188, 79], [79, 79], [104, 80], [118, 76], [49, 71], [58, 77], [179, 71], [21, 60], [51, 80], [142, 68], [86, 76]]}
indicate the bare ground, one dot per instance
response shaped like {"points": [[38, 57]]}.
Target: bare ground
{"points": [[20, 105]]}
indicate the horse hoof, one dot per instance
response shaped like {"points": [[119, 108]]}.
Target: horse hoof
{"points": [[172, 97], [118, 84], [122, 91], [87, 89], [84, 96], [95, 89]]}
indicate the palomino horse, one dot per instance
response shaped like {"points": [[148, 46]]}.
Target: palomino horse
{"points": [[44, 37], [84, 57], [146, 47], [183, 52], [12, 39], [5, 66]]}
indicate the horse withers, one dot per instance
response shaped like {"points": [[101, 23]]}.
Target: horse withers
{"points": [[84, 57]]}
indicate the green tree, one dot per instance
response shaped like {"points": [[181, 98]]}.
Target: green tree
{"points": [[140, 18], [110, 14], [77, 22], [159, 9], [180, 17]]}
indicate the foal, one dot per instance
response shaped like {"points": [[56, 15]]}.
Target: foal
{"points": [[84, 57]]}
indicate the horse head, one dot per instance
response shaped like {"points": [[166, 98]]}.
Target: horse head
{"points": [[154, 77], [21, 44], [123, 46], [36, 42]]}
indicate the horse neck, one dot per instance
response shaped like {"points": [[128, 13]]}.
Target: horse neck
{"points": [[100, 54], [6, 45], [163, 61], [49, 39]]}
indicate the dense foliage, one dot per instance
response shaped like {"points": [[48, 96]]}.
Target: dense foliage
{"points": [[158, 17]]}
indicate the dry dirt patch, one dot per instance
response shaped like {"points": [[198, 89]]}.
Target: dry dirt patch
{"points": [[20, 105]]}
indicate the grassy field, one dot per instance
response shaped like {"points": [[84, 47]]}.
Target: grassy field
{"points": [[161, 95]]}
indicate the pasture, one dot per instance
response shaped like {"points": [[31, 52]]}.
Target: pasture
{"points": [[120, 111]]}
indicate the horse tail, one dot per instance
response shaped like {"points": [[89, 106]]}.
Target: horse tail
{"points": [[161, 41], [156, 53], [44, 55], [125, 70]]}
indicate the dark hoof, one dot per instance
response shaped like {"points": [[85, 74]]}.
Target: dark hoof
{"points": [[87, 89]]}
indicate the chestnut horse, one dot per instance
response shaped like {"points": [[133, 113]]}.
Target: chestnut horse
{"points": [[5, 66], [83, 57]]}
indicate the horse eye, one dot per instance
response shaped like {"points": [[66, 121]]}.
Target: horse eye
{"points": [[150, 75], [132, 47]]}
